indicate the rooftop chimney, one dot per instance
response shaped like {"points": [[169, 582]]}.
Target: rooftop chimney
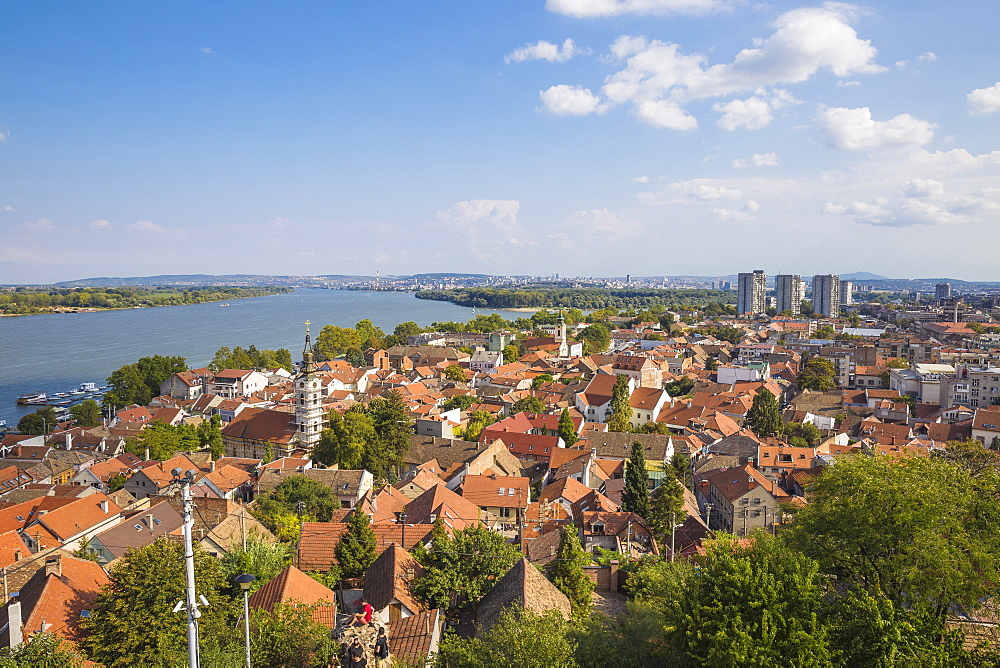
{"points": [[69, 440], [53, 566], [149, 521], [105, 507]]}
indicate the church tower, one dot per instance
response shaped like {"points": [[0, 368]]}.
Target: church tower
{"points": [[563, 344], [308, 400]]}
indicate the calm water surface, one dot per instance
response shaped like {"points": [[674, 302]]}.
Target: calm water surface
{"points": [[57, 352]]}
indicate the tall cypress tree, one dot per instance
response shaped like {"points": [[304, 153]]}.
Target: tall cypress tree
{"points": [[621, 411], [566, 429], [566, 571], [635, 496], [357, 550], [764, 417]]}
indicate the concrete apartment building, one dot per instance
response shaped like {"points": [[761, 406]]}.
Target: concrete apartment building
{"points": [[751, 295], [826, 294], [975, 387], [789, 293]]}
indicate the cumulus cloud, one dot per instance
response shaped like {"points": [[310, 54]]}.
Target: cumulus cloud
{"points": [[757, 160], [100, 224], [753, 113], [487, 224], [984, 100], [919, 202], [854, 129], [38, 224], [657, 79], [641, 179], [144, 226], [927, 56], [848, 84], [601, 8], [601, 222], [564, 100], [745, 213], [6, 207], [4, 134], [207, 50], [543, 50]]}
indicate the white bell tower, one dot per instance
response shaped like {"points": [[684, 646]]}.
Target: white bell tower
{"points": [[308, 400]]}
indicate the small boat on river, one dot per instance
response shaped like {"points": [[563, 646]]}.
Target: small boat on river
{"points": [[32, 398]]}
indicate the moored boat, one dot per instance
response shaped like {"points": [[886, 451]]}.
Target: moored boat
{"points": [[32, 398]]}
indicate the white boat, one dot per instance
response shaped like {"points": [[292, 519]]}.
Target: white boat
{"points": [[88, 387], [32, 398]]}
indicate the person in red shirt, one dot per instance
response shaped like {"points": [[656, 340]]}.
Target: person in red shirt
{"points": [[365, 616]]}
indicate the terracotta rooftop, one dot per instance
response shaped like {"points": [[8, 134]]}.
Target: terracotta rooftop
{"points": [[390, 576]]}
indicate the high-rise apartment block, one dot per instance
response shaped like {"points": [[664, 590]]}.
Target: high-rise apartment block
{"points": [[846, 290], [789, 293], [826, 295], [942, 291], [751, 293]]}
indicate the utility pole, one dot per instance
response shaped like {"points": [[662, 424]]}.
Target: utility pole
{"points": [[673, 531], [190, 603]]}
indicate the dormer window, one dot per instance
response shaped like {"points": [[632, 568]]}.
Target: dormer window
{"points": [[597, 528]]}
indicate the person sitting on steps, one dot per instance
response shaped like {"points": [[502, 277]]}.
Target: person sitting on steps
{"points": [[365, 616]]}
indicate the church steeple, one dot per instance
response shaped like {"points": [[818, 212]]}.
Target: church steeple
{"points": [[308, 400], [563, 344]]}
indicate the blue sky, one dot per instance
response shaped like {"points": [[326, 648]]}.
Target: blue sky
{"points": [[583, 137]]}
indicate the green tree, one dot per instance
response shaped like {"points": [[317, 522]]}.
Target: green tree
{"points": [[764, 416], [898, 363], [596, 338], [357, 549], [755, 604], [43, 650], [528, 404], [464, 566], [521, 638], [635, 496], [259, 558], [512, 353], [620, 418], [478, 421], [346, 441], [393, 427], [369, 335], [818, 374], [132, 621], [454, 373], [334, 341], [86, 413], [666, 508], [210, 436], [567, 430], [459, 401], [923, 532], [163, 440], [681, 465], [405, 329], [804, 433], [566, 571], [540, 380], [288, 636], [279, 511], [42, 421], [138, 383]]}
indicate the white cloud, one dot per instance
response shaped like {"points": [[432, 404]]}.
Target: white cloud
{"points": [[984, 100], [757, 160], [599, 8], [927, 56], [207, 50], [4, 134], [144, 226], [920, 202], [38, 224], [641, 179], [754, 112], [658, 79], [742, 214], [854, 129], [543, 50], [564, 100], [486, 224], [847, 84], [6, 207], [100, 224], [278, 223], [600, 222]]}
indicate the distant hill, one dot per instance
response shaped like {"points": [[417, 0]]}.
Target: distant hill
{"points": [[863, 276]]}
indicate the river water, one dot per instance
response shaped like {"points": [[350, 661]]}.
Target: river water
{"points": [[57, 352]]}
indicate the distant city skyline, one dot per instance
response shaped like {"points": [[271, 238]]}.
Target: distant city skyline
{"points": [[578, 137]]}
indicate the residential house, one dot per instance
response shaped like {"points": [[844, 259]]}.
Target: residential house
{"points": [[138, 529], [347, 485], [500, 499], [415, 639], [232, 383], [293, 587], [73, 523], [735, 500], [523, 587], [388, 584]]}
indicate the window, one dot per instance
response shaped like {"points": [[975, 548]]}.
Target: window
{"points": [[510, 491], [506, 513], [500, 491]]}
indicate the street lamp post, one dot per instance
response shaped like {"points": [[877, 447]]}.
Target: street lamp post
{"points": [[244, 582]]}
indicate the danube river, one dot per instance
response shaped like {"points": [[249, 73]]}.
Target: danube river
{"points": [[57, 352]]}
